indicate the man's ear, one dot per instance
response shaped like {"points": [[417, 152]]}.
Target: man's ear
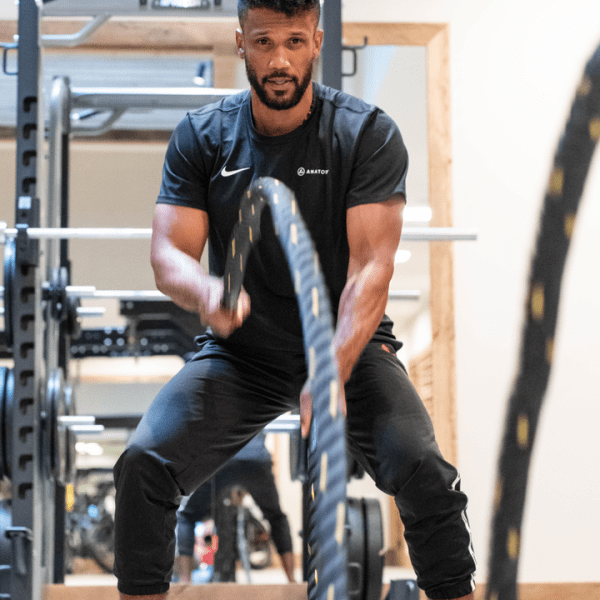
{"points": [[318, 42], [239, 40]]}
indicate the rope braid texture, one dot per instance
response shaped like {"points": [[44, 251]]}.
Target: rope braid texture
{"points": [[327, 444], [571, 165]]}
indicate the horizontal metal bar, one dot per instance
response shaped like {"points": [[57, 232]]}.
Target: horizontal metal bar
{"points": [[71, 40], [404, 295], [87, 429], [409, 234], [91, 292], [180, 9], [77, 419], [147, 98], [90, 311], [438, 234], [82, 233]]}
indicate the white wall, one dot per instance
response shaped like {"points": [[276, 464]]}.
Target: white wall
{"points": [[514, 69], [8, 9]]}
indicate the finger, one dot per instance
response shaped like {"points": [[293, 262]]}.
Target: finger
{"points": [[305, 415], [243, 306]]}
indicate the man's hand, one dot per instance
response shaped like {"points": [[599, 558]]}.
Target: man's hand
{"points": [[306, 407], [222, 321]]}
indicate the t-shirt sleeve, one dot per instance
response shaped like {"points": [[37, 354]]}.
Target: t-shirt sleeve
{"points": [[184, 178], [381, 162]]}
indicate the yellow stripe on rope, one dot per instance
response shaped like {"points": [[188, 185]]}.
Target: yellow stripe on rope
{"points": [[341, 521], [595, 129], [512, 544], [523, 432], [294, 234], [557, 180], [569, 225], [498, 495], [331, 592], [233, 247], [334, 391], [250, 232], [549, 351], [315, 302], [537, 302]]}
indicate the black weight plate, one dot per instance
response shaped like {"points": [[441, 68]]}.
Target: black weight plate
{"points": [[373, 547], [9, 276], [69, 436], [56, 446], [355, 540], [8, 391], [3, 438]]}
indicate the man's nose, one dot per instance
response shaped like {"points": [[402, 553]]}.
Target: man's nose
{"points": [[280, 58]]}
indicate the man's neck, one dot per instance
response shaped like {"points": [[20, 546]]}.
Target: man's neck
{"points": [[272, 122]]}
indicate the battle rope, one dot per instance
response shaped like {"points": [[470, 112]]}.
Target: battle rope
{"points": [[571, 165], [327, 446]]}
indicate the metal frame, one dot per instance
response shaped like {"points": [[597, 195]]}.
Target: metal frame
{"points": [[32, 515]]}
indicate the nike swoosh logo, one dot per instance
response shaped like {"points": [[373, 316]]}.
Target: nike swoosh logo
{"points": [[227, 173]]}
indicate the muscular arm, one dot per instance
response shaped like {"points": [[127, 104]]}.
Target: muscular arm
{"points": [[373, 237], [179, 235]]}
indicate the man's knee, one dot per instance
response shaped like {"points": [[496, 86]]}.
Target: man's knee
{"points": [[145, 469]]}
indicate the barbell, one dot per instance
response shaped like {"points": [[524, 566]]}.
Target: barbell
{"points": [[409, 234]]}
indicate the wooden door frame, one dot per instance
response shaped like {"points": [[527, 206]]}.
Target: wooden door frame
{"points": [[435, 38]]}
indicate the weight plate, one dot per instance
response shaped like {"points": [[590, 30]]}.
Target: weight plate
{"points": [[9, 276], [355, 540], [8, 391], [373, 547], [55, 445], [69, 436], [3, 438]]}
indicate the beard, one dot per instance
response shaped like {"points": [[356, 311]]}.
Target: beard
{"points": [[279, 102]]}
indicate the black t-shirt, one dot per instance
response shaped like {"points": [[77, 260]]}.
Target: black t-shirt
{"points": [[346, 153]]}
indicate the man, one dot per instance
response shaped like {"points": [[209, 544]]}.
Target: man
{"points": [[346, 162], [252, 470]]}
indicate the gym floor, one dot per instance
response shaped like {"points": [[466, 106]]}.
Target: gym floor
{"points": [[262, 576]]}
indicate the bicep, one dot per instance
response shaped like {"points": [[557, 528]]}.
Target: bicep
{"points": [[374, 233], [179, 227]]}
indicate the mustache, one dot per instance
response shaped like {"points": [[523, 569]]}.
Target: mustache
{"points": [[279, 75]]}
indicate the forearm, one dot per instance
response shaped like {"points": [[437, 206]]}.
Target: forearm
{"points": [[182, 278], [361, 309]]}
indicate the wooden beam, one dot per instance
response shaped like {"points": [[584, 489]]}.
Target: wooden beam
{"points": [[550, 591], [213, 591], [441, 262], [297, 591], [390, 34]]}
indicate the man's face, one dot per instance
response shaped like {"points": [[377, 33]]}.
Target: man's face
{"points": [[279, 52]]}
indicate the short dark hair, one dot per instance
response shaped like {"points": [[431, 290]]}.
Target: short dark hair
{"points": [[289, 7]]}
